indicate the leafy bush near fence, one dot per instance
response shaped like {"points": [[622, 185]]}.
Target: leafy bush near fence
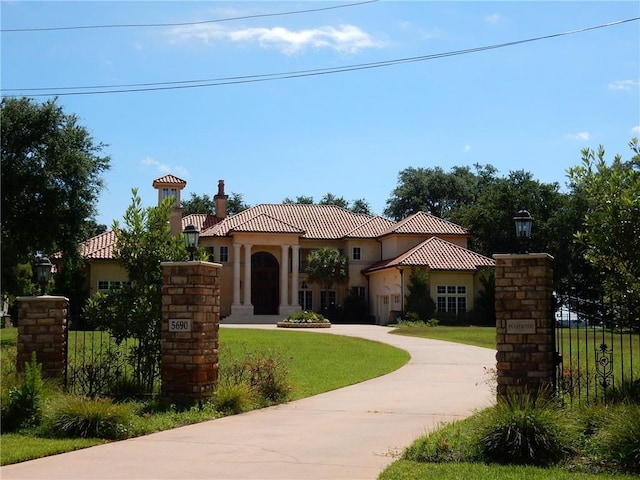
{"points": [[537, 431], [22, 407]]}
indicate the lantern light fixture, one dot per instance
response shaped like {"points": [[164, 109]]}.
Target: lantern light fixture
{"points": [[191, 235], [43, 273], [524, 222]]}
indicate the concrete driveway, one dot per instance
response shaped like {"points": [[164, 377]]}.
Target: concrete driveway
{"points": [[351, 433]]}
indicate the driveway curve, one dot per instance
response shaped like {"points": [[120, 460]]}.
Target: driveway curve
{"points": [[351, 433]]}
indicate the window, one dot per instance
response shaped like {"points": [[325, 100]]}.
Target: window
{"points": [[210, 254], [224, 253], [305, 299], [451, 298], [356, 253], [105, 285], [327, 299], [396, 299], [358, 292]]}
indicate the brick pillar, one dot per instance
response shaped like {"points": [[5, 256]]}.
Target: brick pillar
{"points": [[190, 322], [42, 328], [524, 322]]}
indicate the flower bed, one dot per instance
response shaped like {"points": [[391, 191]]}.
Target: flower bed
{"points": [[305, 320]]}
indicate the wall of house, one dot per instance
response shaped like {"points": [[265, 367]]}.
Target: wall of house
{"points": [[385, 294], [105, 270], [394, 245]]}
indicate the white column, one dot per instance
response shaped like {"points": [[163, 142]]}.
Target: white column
{"points": [[247, 274], [236, 274], [295, 252], [284, 276]]}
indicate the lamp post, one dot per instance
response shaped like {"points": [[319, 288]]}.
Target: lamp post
{"points": [[191, 235], [523, 221], [43, 273]]}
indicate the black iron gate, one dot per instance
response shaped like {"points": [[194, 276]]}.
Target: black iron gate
{"points": [[598, 347]]}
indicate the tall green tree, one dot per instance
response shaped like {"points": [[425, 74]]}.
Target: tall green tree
{"points": [[418, 300], [331, 199], [51, 171], [490, 217], [134, 311], [207, 205], [611, 224], [300, 199], [435, 191], [327, 267]]}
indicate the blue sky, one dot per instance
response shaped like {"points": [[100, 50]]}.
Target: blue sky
{"points": [[530, 106]]}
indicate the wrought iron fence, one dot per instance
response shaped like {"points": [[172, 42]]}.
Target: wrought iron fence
{"points": [[97, 365], [598, 347]]}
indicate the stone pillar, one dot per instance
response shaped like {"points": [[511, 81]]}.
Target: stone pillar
{"points": [[247, 274], [295, 257], [524, 323], [42, 328], [190, 322], [284, 278], [236, 274]]}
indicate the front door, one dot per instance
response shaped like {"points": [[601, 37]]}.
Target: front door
{"points": [[265, 284]]}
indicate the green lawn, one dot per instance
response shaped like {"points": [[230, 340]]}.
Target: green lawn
{"points": [[478, 336], [316, 363]]}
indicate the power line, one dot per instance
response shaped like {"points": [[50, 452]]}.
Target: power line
{"points": [[212, 82], [139, 25]]}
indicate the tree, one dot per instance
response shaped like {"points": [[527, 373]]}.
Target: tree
{"points": [[434, 191], [360, 205], [134, 310], [300, 200], [236, 204], [50, 182], [611, 225], [331, 199], [207, 205], [326, 267], [418, 300], [198, 204], [490, 217]]}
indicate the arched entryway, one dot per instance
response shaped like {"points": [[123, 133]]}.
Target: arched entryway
{"points": [[265, 288]]}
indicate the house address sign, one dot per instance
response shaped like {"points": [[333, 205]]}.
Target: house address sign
{"points": [[180, 325], [521, 326]]}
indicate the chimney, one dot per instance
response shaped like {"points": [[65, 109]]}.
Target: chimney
{"points": [[221, 201]]}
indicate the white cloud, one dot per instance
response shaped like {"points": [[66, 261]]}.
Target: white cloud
{"points": [[495, 18], [466, 149], [165, 168], [624, 85], [583, 136], [636, 129], [344, 38]]}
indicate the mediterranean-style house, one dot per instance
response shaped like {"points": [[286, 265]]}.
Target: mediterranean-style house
{"points": [[263, 252]]}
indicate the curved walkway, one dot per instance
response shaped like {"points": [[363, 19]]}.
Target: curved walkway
{"points": [[350, 433]]}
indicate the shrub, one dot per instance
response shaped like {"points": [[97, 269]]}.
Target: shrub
{"points": [[266, 374], [99, 375], [306, 317], [81, 417], [454, 442], [23, 407], [619, 437], [411, 320], [233, 398], [525, 429]]}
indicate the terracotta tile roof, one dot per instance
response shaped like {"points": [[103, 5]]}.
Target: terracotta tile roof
{"points": [[422, 223], [437, 254], [169, 180], [371, 228], [201, 221], [325, 222], [267, 224], [99, 247]]}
